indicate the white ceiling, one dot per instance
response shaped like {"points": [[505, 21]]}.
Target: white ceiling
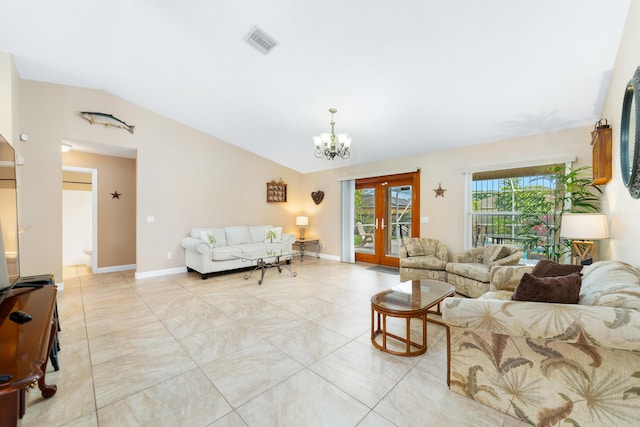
{"points": [[407, 77]]}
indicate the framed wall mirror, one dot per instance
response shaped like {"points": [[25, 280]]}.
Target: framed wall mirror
{"points": [[630, 137]]}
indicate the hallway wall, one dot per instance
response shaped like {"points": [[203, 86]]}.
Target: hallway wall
{"points": [[76, 226]]}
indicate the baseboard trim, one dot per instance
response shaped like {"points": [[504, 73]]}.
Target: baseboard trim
{"points": [[325, 256], [156, 273], [115, 268]]}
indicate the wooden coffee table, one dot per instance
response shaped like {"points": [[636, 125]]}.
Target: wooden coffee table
{"points": [[408, 300]]}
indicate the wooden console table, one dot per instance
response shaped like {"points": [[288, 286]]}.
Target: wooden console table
{"points": [[25, 348]]}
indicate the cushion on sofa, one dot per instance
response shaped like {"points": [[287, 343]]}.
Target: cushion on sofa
{"points": [[430, 246], [272, 235], [225, 253], [556, 289], [423, 262], [475, 271], [237, 235], [413, 246], [548, 268], [208, 237], [217, 233], [493, 253], [612, 284], [257, 232], [500, 295]]}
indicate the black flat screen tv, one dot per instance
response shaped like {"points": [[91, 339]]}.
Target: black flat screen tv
{"points": [[9, 253]]}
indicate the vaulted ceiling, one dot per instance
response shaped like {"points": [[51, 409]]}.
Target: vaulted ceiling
{"points": [[406, 77]]}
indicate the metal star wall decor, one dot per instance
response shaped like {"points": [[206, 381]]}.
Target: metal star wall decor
{"points": [[439, 191], [116, 195]]}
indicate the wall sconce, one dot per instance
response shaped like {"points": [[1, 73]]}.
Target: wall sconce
{"points": [[302, 221]]}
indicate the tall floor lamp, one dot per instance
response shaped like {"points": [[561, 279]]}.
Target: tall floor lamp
{"points": [[582, 229]]}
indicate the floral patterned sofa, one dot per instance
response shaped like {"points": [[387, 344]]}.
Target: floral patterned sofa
{"points": [[544, 363], [423, 258], [469, 270]]}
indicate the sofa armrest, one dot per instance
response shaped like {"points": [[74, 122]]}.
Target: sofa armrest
{"points": [[581, 325], [512, 259], [507, 277], [288, 239], [196, 245], [402, 253], [469, 256]]}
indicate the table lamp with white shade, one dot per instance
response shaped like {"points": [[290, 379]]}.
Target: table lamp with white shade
{"points": [[582, 229], [302, 221]]}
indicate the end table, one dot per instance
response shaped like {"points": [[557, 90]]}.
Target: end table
{"points": [[303, 242]]}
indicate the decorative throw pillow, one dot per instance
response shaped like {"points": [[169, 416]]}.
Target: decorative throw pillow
{"points": [[208, 237], [273, 235], [557, 289], [413, 246], [493, 253], [548, 268]]}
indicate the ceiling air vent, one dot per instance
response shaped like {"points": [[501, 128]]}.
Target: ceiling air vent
{"points": [[260, 40]]}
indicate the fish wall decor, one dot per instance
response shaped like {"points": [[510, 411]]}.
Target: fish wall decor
{"points": [[105, 119]]}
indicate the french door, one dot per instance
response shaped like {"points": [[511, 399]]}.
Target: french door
{"points": [[387, 208]]}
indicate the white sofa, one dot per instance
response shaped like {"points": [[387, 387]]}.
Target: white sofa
{"points": [[205, 258]]}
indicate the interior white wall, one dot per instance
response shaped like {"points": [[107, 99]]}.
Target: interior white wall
{"points": [[622, 210], [76, 226]]}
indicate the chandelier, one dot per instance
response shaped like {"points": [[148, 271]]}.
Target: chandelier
{"points": [[332, 145]]}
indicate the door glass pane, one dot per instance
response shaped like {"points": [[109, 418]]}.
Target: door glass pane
{"points": [[364, 217], [398, 218]]}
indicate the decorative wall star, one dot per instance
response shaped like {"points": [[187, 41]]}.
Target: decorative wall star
{"points": [[116, 195], [439, 191]]}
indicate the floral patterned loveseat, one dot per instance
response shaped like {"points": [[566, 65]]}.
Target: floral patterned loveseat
{"points": [[544, 363], [469, 270]]}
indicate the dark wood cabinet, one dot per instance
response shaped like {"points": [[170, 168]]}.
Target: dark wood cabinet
{"points": [[25, 347]]}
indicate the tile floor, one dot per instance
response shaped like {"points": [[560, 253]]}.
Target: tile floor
{"points": [[178, 350]]}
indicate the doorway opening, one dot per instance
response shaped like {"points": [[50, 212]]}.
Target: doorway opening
{"points": [[80, 219], [386, 209]]}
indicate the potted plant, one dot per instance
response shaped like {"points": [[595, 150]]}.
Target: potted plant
{"points": [[542, 211]]}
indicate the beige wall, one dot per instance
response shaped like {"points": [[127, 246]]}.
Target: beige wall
{"points": [[40, 180], [6, 106], [623, 212], [184, 178], [116, 217], [8, 97], [446, 214]]}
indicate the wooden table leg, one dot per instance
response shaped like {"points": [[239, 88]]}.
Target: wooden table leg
{"points": [[48, 390], [384, 331], [424, 331], [448, 356], [408, 344]]}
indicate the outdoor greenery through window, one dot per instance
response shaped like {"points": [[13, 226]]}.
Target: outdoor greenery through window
{"points": [[397, 217], [505, 204], [524, 207]]}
